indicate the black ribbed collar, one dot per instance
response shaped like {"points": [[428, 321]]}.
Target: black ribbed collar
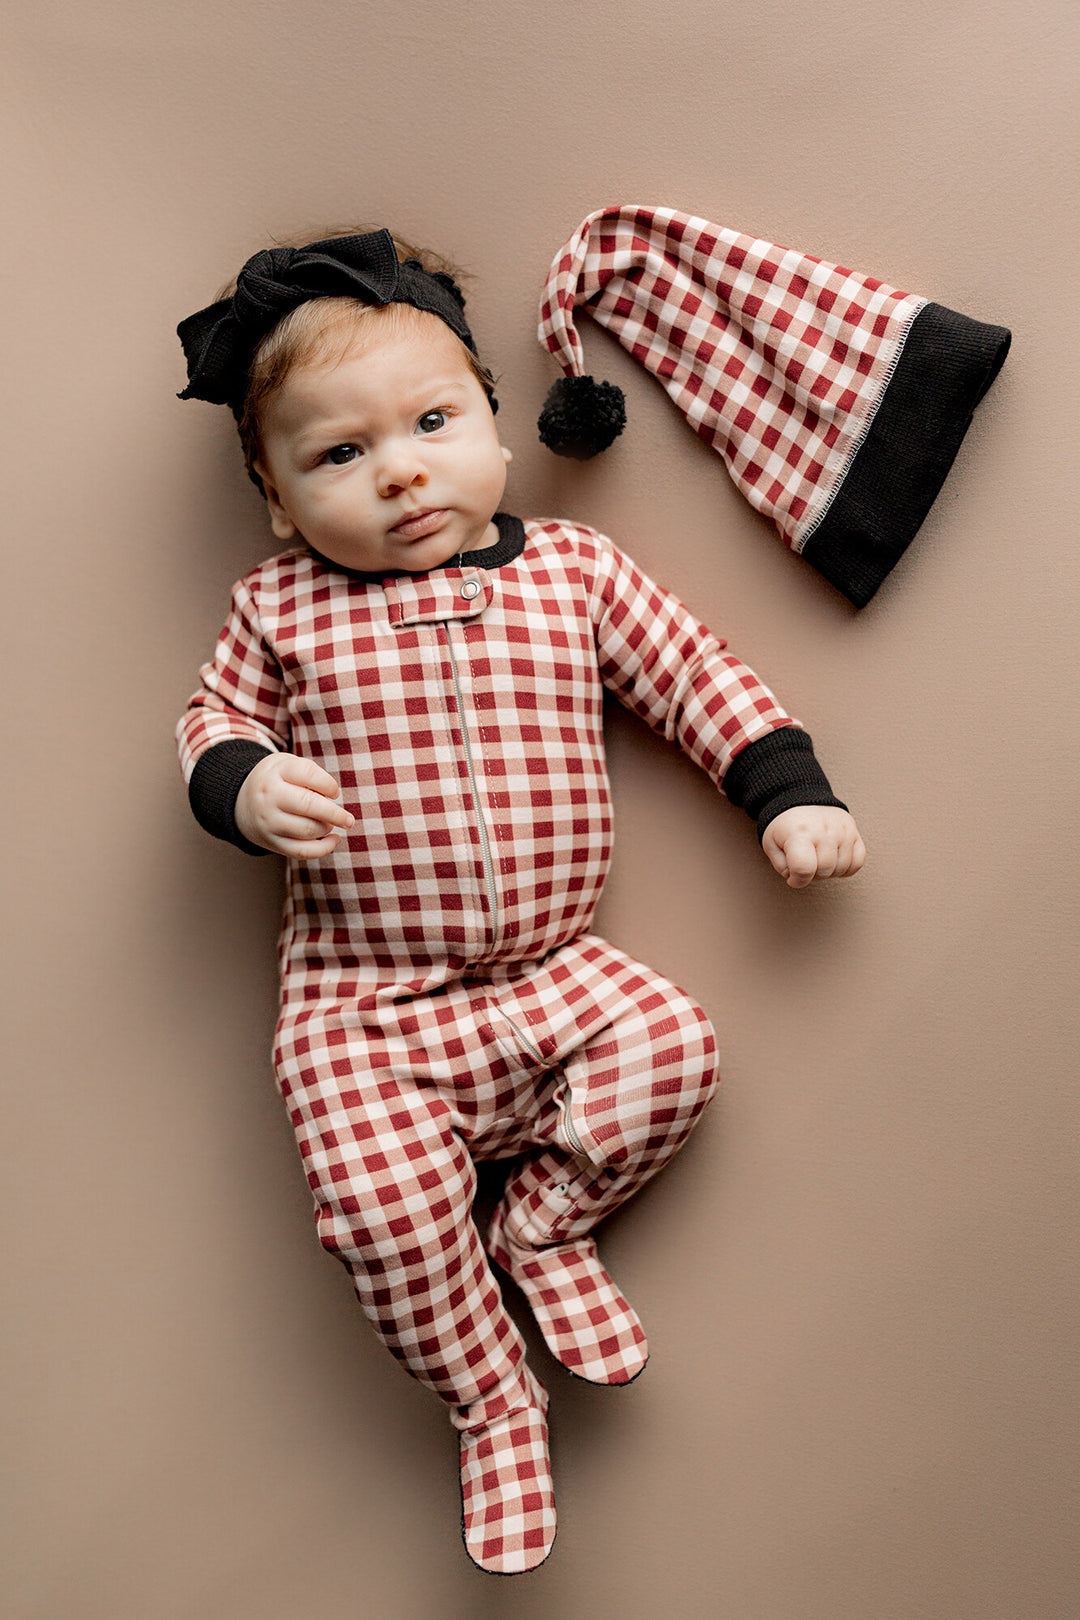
{"points": [[510, 544]]}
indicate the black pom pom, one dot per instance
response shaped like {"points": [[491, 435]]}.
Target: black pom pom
{"points": [[581, 417]]}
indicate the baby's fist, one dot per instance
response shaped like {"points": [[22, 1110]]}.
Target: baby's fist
{"points": [[813, 841], [287, 804]]}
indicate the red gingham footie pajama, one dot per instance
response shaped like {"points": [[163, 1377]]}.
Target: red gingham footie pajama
{"points": [[627, 1107], [443, 998], [587, 1323], [507, 1497], [837, 402], [393, 1104]]}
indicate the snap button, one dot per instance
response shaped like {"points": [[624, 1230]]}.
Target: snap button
{"points": [[470, 589]]}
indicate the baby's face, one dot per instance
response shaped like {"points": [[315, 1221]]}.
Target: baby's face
{"points": [[389, 458]]}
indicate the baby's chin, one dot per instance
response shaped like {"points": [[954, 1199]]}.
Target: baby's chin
{"points": [[418, 556], [436, 550], [394, 554], [414, 557]]}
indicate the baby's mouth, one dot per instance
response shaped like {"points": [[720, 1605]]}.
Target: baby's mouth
{"points": [[419, 523]]}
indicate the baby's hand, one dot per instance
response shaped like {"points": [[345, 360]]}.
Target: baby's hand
{"points": [[287, 804], [813, 841]]}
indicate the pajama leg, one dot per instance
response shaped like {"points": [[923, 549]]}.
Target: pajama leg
{"points": [[627, 1100], [393, 1186]]}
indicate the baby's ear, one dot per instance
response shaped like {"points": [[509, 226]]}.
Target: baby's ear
{"points": [[282, 524]]}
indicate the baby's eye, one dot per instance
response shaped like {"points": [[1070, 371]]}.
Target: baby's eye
{"points": [[432, 421], [342, 454]]}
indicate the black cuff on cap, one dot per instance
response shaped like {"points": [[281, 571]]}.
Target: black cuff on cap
{"points": [[216, 781], [776, 773], [946, 366]]}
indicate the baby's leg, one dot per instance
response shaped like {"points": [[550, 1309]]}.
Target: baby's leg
{"points": [[626, 1102], [393, 1185]]}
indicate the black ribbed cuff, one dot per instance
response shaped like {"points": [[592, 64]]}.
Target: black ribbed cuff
{"points": [[219, 774], [946, 366], [776, 773]]}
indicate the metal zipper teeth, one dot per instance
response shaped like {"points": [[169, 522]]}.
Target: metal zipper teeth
{"points": [[570, 1131], [534, 1052], [485, 847]]}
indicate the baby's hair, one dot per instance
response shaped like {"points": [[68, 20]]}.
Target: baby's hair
{"points": [[313, 331]]}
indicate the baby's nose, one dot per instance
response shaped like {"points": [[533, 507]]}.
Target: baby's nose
{"points": [[400, 470]]}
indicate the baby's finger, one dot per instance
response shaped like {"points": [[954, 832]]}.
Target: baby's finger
{"points": [[802, 860], [315, 806], [828, 861], [305, 827], [843, 861], [854, 855], [305, 773], [775, 854], [307, 849], [849, 861]]}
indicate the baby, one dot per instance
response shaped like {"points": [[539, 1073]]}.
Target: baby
{"points": [[406, 702]]}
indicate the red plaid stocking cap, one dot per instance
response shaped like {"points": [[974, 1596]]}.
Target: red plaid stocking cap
{"points": [[837, 401]]}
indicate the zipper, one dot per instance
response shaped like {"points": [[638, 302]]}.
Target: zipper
{"points": [[533, 1051], [536, 1053], [575, 1139], [489, 870], [485, 846], [570, 1131]]}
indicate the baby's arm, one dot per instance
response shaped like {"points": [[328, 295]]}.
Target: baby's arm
{"points": [[244, 783], [813, 841], [668, 667], [286, 804]]}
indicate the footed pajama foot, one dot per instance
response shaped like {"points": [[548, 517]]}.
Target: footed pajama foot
{"points": [[589, 1327], [507, 1498]]}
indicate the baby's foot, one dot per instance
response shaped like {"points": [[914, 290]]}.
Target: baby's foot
{"points": [[587, 1323], [507, 1498]]}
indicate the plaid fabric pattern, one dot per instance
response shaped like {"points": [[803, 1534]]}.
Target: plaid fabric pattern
{"points": [[395, 1099], [466, 732], [507, 1496], [587, 1323], [443, 1000], [777, 359]]}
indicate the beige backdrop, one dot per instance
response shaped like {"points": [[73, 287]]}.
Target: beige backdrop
{"points": [[857, 1280]]}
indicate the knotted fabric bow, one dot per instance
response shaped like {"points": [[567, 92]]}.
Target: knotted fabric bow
{"points": [[219, 342]]}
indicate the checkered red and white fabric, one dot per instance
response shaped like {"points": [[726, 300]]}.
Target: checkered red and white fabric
{"points": [[777, 359], [587, 1323], [507, 1495], [462, 713], [442, 998], [588, 1066]]}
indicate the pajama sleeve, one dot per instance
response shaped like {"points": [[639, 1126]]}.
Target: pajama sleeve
{"points": [[669, 669], [238, 714]]}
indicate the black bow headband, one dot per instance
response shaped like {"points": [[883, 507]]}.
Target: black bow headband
{"points": [[220, 341]]}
